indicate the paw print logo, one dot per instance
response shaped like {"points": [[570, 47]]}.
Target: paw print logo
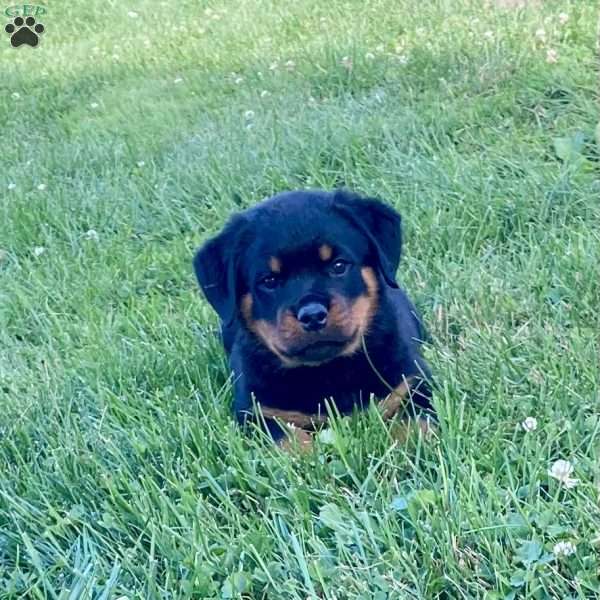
{"points": [[24, 31]]}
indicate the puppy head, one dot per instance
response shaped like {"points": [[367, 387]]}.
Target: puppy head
{"points": [[303, 272]]}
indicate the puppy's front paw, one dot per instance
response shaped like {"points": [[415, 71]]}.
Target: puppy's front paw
{"points": [[395, 401], [405, 430], [296, 438]]}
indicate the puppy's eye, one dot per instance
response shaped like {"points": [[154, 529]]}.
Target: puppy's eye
{"points": [[339, 267], [270, 282]]}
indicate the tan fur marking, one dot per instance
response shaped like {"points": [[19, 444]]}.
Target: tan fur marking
{"points": [[264, 330], [275, 264], [297, 438], [363, 310], [290, 329], [350, 320], [292, 417], [391, 405], [246, 308], [404, 430], [325, 252], [269, 336], [268, 333]]}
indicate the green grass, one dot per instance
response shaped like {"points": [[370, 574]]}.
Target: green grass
{"points": [[121, 473]]}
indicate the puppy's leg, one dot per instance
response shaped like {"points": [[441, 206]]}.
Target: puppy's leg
{"points": [[410, 395], [404, 430], [292, 417], [298, 426], [395, 401]]}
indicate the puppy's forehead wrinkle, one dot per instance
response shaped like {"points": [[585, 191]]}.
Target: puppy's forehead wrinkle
{"points": [[289, 224]]}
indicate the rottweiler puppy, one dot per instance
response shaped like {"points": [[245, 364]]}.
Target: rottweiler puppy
{"points": [[304, 285]]}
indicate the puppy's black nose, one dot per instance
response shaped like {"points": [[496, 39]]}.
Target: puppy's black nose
{"points": [[313, 316]]}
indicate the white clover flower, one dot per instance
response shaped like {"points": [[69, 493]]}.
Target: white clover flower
{"points": [[346, 62], [379, 96], [140, 163], [551, 56], [564, 549], [540, 34], [92, 235], [94, 105], [132, 14], [563, 18], [41, 187], [39, 250], [561, 470], [529, 424], [16, 95], [12, 186]]}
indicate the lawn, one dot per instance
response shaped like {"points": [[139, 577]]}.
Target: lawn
{"points": [[131, 134]]}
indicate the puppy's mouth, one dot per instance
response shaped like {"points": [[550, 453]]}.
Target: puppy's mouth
{"points": [[319, 351]]}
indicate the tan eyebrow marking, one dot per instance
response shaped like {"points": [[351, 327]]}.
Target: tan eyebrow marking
{"points": [[275, 264], [325, 252]]}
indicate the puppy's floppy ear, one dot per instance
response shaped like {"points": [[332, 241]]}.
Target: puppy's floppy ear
{"points": [[216, 268], [380, 223]]}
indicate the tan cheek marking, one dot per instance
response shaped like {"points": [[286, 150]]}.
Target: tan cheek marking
{"points": [[363, 309], [339, 315], [266, 332], [261, 328], [275, 264], [366, 306], [325, 252], [246, 308], [370, 280], [270, 337], [290, 329]]}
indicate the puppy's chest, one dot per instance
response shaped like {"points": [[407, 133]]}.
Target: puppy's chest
{"points": [[309, 389]]}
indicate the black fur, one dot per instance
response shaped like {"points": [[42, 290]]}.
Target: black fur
{"points": [[363, 233]]}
